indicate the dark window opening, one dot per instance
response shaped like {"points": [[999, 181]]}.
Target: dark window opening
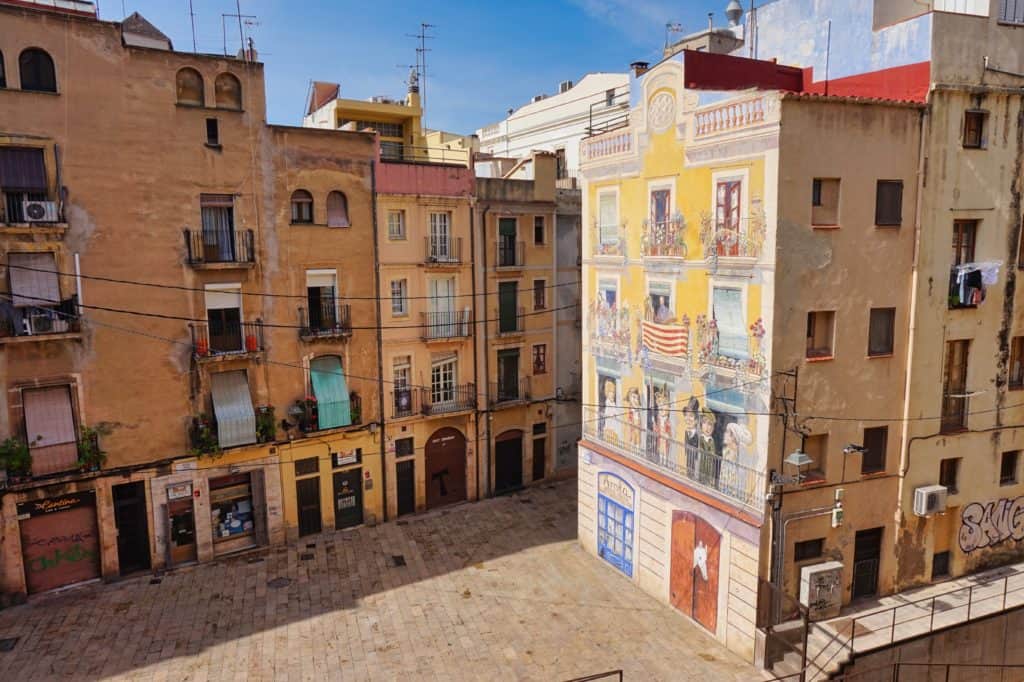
{"points": [[404, 447], [309, 465], [974, 129], [889, 203], [37, 72], [949, 470], [212, 132], [808, 549], [538, 229], [940, 565], [881, 331], [1008, 467], [875, 444]]}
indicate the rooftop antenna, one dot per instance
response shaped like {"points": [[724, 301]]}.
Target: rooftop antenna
{"points": [[224, 29], [670, 28], [192, 17], [421, 58]]}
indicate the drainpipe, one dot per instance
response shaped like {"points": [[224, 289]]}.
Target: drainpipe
{"points": [[476, 359], [487, 355], [554, 305], [380, 344]]}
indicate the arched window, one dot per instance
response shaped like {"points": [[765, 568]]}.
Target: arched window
{"points": [[36, 68], [3, 74], [228, 91], [337, 210], [302, 206], [190, 87]]}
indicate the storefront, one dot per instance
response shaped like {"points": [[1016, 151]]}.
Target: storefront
{"points": [[231, 513], [60, 542]]}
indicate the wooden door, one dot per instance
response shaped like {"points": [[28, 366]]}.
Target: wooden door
{"points": [[307, 495], [508, 462], [405, 480], [540, 447], [693, 581], [445, 455], [348, 498], [182, 522], [132, 527]]}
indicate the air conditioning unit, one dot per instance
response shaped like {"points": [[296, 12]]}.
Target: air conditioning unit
{"points": [[929, 499], [39, 211]]}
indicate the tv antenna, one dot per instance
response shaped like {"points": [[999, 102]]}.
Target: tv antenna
{"points": [[670, 28], [250, 20], [421, 58]]}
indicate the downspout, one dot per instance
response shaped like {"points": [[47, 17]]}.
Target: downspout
{"points": [[476, 358], [554, 305], [380, 344], [487, 356]]}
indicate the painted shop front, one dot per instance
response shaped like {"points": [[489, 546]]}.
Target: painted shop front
{"points": [[700, 557], [60, 542]]}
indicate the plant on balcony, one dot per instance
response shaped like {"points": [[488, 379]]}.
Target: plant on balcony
{"points": [[204, 436], [355, 407], [308, 418], [202, 347], [15, 457], [251, 343], [90, 456], [266, 424]]}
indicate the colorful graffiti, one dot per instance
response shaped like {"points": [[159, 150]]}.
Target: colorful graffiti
{"points": [[992, 523]]}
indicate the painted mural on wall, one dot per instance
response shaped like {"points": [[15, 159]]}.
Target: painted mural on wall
{"points": [[693, 578], [615, 527], [991, 523]]}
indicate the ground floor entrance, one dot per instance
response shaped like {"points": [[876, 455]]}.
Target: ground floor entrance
{"points": [[508, 462], [60, 541], [445, 456], [132, 521]]}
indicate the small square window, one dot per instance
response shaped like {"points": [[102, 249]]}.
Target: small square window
{"points": [[1008, 467], [949, 470], [212, 132], [816, 447], [540, 428], [820, 327], [1017, 363], [808, 549], [404, 447], [538, 230], [889, 203], [881, 330], [825, 202], [974, 129], [940, 565]]}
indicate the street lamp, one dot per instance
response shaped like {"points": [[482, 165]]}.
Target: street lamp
{"points": [[799, 459]]}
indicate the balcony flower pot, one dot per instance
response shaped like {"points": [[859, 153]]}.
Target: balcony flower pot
{"points": [[202, 348], [90, 456], [16, 459], [251, 343]]}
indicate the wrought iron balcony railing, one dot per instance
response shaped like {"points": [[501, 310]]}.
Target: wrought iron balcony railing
{"points": [[510, 254], [218, 337], [325, 318], [510, 391], [442, 399], [445, 324], [442, 250], [220, 246]]}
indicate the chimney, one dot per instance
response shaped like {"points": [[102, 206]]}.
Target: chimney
{"points": [[639, 68], [564, 86]]}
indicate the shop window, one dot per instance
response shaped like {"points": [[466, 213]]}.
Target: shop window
{"points": [[881, 330], [1008, 467], [825, 201], [949, 472], [190, 87], [820, 329], [974, 129], [228, 92], [808, 549], [540, 358], [396, 225], [302, 206], [940, 565], [337, 210], [231, 508], [212, 132], [404, 447], [875, 444], [1017, 363], [37, 72], [889, 203], [816, 448]]}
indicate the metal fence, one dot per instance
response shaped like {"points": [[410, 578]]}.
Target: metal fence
{"points": [[510, 391], [442, 250], [443, 399], [445, 324], [221, 338], [325, 317], [510, 254]]}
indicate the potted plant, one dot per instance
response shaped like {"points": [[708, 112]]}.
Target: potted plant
{"points": [[202, 348], [308, 420], [90, 456], [251, 343], [266, 425], [204, 436], [16, 458]]}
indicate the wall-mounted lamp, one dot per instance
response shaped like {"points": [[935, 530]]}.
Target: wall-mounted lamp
{"points": [[851, 448], [799, 459]]}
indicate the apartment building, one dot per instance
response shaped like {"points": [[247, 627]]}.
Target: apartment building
{"points": [[188, 360]]}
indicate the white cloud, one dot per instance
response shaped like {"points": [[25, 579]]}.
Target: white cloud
{"points": [[641, 21]]}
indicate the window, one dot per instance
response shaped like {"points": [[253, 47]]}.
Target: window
{"points": [[609, 97], [396, 225], [820, 327], [442, 380], [333, 401], [1011, 11], [302, 206], [509, 254], [808, 549], [881, 330], [231, 508], [399, 297], [337, 210], [401, 373], [875, 444], [22, 178], [889, 203], [727, 217], [50, 427], [190, 87], [608, 218], [825, 202], [974, 129], [964, 235], [538, 229], [217, 213], [321, 296], [36, 68], [309, 465], [394, 151], [224, 319], [1017, 363], [561, 170], [1008, 467], [509, 319], [540, 428], [816, 448], [539, 291], [3, 74], [940, 565], [540, 358], [385, 129], [404, 447], [954, 386], [441, 243], [949, 469], [727, 308], [212, 132], [508, 374], [966, 288], [228, 92], [233, 410]]}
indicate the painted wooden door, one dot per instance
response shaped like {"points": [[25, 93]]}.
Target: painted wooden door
{"points": [[693, 580], [445, 456]]}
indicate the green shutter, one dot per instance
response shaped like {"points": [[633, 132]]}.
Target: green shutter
{"points": [[332, 400]]}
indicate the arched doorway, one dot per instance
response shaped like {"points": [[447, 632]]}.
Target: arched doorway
{"points": [[508, 461], [445, 455]]}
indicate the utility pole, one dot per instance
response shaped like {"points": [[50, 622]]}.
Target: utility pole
{"points": [[421, 58]]}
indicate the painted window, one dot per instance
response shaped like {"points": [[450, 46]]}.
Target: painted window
{"points": [[337, 210], [396, 225], [608, 218], [189, 86], [727, 217], [615, 534], [825, 201], [228, 92], [732, 331], [399, 297], [659, 303]]}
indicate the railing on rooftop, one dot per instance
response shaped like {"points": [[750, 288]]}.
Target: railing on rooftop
{"points": [[393, 152], [729, 116], [609, 111]]}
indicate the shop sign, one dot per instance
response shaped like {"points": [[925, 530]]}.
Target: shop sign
{"points": [[58, 504], [179, 491], [616, 489], [345, 458]]}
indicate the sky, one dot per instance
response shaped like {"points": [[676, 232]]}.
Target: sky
{"points": [[485, 58]]}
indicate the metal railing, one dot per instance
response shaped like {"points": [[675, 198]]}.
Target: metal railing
{"points": [[442, 250], [510, 254], [12, 209], [954, 412], [445, 324], [510, 391], [508, 323], [326, 318], [221, 338], [609, 112], [407, 153], [664, 238], [445, 399], [937, 672], [405, 402], [41, 320], [219, 246], [309, 421]]}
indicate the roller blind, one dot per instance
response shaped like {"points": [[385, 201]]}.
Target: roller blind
{"points": [[33, 278], [232, 405]]}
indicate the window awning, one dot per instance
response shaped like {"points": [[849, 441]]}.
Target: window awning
{"points": [[223, 298], [329, 387], [22, 168], [50, 429], [33, 278], [232, 406], [320, 278]]}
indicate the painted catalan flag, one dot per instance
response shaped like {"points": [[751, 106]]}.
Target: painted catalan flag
{"points": [[667, 339]]}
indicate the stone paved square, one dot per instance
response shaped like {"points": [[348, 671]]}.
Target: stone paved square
{"points": [[496, 590]]}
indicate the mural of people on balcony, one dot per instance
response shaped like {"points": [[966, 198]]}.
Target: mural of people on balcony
{"points": [[634, 422], [733, 479], [609, 412], [610, 324], [691, 435]]}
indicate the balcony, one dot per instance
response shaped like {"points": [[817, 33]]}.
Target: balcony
{"points": [[664, 239], [507, 392], [607, 145], [397, 152], [40, 323], [308, 415], [731, 246], [609, 241], [954, 412], [405, 402], [509, 254], [226, 339], [325, 319], [729, 117], [22, 460], [441, 252], [445, 324], [220, 249], [724, 478], [441, 399], [510, 321]]}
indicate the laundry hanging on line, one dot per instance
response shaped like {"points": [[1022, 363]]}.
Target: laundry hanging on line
{"points": [[971, 281]]}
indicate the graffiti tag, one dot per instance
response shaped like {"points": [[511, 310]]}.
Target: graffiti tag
{"points": [[72, 555], [986, 525], [60, 539]]}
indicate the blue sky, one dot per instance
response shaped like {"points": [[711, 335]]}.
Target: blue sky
{"points": [[486, 58]]}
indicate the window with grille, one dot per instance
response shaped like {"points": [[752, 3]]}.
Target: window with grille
{"points": [[399, 297], [396, 225], [1011, 11], [889, 203], [881, 330], [540, 358], [808, 549], [1008, 467]]}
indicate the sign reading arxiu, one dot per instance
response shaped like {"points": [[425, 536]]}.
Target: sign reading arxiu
{"points": [[988, 524], [615, 488]]}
